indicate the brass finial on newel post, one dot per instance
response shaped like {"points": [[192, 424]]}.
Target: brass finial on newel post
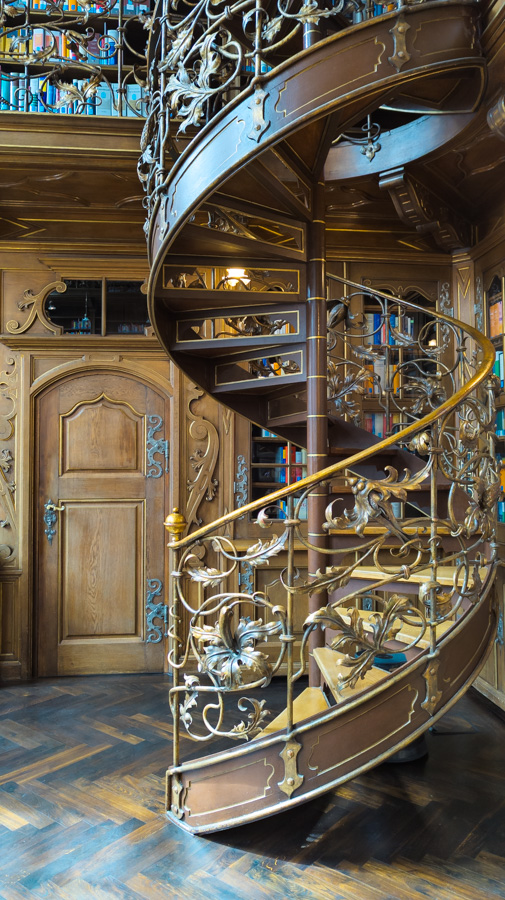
{"points": [[175, 523]]}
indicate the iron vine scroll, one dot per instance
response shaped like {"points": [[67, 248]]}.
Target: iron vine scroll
{"points": [[155, 468], [155, 611]]}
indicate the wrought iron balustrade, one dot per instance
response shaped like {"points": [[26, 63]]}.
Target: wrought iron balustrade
{"points": [[206, 53], [74, 56], [416, 559]]}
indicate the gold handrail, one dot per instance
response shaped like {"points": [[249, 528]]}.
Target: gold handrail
{"points": [[329, 472]]}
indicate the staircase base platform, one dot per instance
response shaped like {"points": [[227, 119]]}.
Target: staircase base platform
{"points": [[275, 772]]}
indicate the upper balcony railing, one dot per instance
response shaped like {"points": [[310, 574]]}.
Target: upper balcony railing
{"points": [[74, 56], [210, 51]]}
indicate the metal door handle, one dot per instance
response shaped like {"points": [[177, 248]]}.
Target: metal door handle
{"points": [[50, 518]]}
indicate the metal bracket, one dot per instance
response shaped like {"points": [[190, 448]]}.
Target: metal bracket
{"points": [[155, 468], [50, 518], [292, 779], [155, 611], [174, 792], [401, 54], [433, 695], [259, 123]]}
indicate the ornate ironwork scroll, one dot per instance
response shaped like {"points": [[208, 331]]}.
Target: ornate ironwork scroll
{"points": [[412, 555], [241, 483], [155, 633], [153, 445], [203, 459]]}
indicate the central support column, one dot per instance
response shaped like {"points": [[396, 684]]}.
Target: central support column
{"points": [[317, 420]]}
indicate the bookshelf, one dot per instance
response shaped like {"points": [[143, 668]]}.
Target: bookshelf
{"points": [[275, 463], [389, 343], [494, 320], [65, 57]]}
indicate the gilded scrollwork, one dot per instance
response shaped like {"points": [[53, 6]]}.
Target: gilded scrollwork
{"points": [[8, 413], [203, 459], [36, 304], [230, 654]]}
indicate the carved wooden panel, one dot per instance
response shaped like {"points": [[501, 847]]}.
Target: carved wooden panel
{"points": [[8, 637], [102, 435], [99, 524], [101, 585]]}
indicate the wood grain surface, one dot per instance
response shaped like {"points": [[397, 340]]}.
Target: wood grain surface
{"points": [[82, 770]]}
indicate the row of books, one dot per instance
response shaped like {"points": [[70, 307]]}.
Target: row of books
{"points": [[496, 318], [298, 467], [377, 423], [377, 327], [280, 511], [498, 367], [45, 97], [500, 422], [130, 7], [102, 49]]}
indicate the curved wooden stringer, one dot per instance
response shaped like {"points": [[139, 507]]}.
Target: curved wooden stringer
{"points": [[401, 568]]}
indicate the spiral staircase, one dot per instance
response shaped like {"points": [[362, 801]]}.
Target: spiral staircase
{"points": [[246, 101]]}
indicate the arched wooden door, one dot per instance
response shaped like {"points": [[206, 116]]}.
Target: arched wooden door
{"points": [[102, 550]]}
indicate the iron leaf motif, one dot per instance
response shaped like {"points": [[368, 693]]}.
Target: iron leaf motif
{"points": [[260, 552], [231, 656], [362, 640], [373, 499]]}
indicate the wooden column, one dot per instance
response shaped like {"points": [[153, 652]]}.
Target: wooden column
{"points": [[317, 421]]}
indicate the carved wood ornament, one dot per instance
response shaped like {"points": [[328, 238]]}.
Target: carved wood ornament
{"points": [[421, 209]]}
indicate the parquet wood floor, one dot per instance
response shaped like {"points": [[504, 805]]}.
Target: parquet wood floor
{"points": [[81, 811]]}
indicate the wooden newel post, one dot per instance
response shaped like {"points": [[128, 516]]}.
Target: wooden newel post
{"points": [[317, 420]]}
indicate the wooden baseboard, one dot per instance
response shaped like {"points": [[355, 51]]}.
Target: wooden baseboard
{"points": [[493, 694]]}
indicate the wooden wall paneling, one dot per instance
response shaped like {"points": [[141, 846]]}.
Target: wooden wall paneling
{"points": [[10, 656], [464, 286]]}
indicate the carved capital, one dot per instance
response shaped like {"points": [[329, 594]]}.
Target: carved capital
{"points": [[421, 209]]}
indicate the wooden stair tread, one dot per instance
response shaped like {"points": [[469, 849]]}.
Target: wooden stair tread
{"points": [[326, 659], [311, 701], [445, 575], [407, 633]]}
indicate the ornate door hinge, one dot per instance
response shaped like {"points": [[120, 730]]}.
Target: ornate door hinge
{"points": [[155, 633], [155, 468], [50, 518]]}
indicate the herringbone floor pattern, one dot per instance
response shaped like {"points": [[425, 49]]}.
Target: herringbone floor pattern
{"points": [[81, 811]]}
